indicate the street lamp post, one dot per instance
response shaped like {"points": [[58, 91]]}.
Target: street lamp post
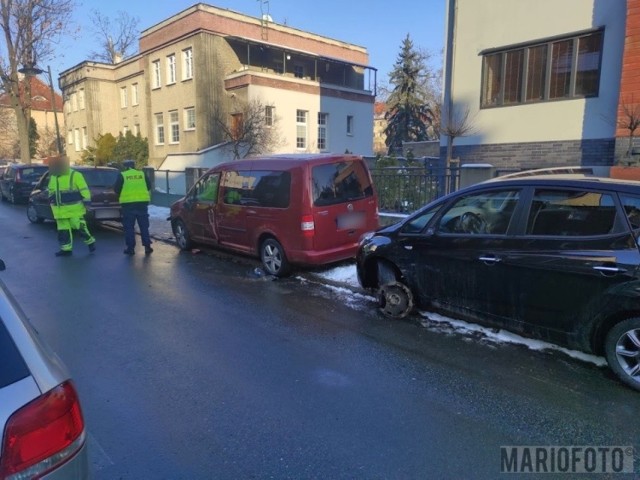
{"points": [[32, 72]]}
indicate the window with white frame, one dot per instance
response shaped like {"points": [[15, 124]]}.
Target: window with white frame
{"points": [[125, 129], [174, 125], [70, 137], [190, 118], [301, 129], [159, 128], [136, 129], [74, 102], [349, 124], [85, 138], [157, 78], [134, 94], [81, 99], [187, 64], [323, 121], [76, 139], [171, 69], [123, 97], [269, 115]]}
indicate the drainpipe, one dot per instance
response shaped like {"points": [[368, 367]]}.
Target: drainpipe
{"points": [[447, 95]]}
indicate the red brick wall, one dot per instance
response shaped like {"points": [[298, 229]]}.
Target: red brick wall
{"points": [[229, 26], [630, 81]]}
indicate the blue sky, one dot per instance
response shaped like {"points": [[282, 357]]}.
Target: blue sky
{"points": [[378, 25]]}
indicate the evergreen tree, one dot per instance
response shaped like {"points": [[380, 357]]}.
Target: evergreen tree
{"points": [[34, 136], [408, 114]]}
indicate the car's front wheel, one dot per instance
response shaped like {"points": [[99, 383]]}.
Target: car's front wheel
{"points": [[395, 300], [32, 214], [182, 235], [622, 349], [273, 258]]}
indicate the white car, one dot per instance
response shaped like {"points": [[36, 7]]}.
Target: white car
{"points": [[42, 431]]}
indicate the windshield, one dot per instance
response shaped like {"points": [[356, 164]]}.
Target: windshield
{"points": [[32, 174]]}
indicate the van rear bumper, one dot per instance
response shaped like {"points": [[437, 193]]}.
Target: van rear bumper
{"points": [[322, 257]]}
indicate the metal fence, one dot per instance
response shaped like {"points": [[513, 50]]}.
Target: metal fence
{"points": [[405, 189]]}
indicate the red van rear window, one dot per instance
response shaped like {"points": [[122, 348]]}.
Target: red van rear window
{"points": [[340, 182]]}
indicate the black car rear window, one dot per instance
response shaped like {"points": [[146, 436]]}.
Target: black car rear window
{"points": [[340, 182], [100, 178], [12, 366], [32, 174]]}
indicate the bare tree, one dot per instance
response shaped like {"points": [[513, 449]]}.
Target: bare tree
{"points": [[31, 29], [117, 36], [457, 123], [629, 120], [249, 129]]}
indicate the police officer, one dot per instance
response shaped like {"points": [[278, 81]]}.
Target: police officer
{"points": [[68, 196], [133, 188]]}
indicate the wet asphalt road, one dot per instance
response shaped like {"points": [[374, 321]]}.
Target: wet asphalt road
{"points": [[190, 367]]}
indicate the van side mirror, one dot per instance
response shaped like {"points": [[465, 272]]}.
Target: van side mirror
{"points": [[2, 266]]}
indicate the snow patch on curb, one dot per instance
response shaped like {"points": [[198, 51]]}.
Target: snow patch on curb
{"points": [[503, 336], [344, 274], [160, 213]]}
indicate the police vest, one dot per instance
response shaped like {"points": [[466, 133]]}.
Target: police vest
{"points": [[67, 192], [134, 187]]}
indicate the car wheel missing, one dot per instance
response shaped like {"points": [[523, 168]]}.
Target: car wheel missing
{"points": [[395, 300]]}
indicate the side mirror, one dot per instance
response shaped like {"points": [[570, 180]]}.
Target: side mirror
{"points": [[2, 266]]}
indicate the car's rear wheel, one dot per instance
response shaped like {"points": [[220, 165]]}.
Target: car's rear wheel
{"points": [[622, 349], [273, 258], [182, 235], [395, 300], [32, 215]]}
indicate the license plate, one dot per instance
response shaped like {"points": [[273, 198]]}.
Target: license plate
{"points": [[106, 213], [351, 220]]}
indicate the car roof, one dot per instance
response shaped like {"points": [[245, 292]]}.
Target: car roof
{"points": [[85, 168], [568, 180], [289, 160]]}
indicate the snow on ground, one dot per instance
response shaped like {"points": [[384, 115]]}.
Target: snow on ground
{"points": [[430, 320], [342, 274], [158, 212], [346, 275]]}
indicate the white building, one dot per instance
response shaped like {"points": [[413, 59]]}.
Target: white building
{"points": [[540, 80]]}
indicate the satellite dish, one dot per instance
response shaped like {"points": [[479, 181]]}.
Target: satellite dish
{"points": [[267, 18]]}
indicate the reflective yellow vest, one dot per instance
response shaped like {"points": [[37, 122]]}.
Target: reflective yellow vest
{"points": [[134, 187], [67, 192]]}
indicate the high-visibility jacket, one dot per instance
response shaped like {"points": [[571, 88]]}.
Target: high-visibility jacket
{"points": [[67, 194], [134, 187]]}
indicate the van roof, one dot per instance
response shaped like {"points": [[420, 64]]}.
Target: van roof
{"points": [[293, 159]]}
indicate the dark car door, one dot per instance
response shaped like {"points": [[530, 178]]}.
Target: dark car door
{"points": [[456, 262], [576, 244], [39, 197]]}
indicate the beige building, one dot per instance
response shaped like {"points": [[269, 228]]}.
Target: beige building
{"points": [[205, 63]]}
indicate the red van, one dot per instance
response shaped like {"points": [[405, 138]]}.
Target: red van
{"points": [[286, 209]]}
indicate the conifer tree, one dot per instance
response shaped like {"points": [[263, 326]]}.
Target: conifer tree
{"points": [[408, 113]]}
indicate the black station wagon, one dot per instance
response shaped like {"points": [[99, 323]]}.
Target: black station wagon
{"points": [[551, 257]]}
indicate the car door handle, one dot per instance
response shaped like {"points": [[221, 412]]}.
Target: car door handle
{"points": [[489, 259], [604, 269]]}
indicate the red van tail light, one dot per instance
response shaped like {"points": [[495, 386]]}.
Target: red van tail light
{"points": [[308, 226], [43, 434]]}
